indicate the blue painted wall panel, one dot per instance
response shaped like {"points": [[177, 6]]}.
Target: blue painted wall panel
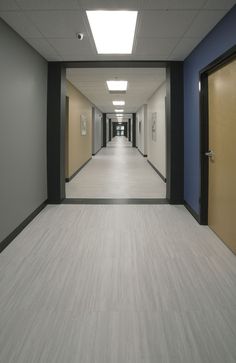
{"points": [[218, 41]]}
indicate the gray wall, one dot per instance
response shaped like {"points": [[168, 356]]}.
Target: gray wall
{"points": [[97, 130], [23, 107]]}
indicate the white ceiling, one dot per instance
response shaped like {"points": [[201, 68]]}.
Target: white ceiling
{"points": [[142, 83], [166, 30]]}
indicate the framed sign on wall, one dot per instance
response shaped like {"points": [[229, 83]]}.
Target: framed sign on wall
{"points": [[83, 125], [154, 121]]}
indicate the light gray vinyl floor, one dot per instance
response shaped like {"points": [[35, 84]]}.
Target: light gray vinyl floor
{"points": [[117, 284], [117, 171]]}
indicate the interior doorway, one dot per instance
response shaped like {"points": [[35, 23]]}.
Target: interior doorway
{"points": [[56, 124], [219, 154]]}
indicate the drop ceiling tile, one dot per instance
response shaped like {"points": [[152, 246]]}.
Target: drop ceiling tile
{"points": [[220, 4], [72, 46], [155, 46], [165, 24], [21, 24], [8, 5], [109, 4], [48, 4], [184, 48], [171, 4], [204, 22], [44, 48], [58, 24]]}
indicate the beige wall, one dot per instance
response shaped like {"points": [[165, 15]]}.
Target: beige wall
{"points": [[79, 147]]}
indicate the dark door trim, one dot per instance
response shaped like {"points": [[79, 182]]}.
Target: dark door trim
{"points": [[56, 123], [219, 62]]}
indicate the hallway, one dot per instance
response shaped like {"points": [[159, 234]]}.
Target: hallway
{"points": [[117, 171], [79, 285]]}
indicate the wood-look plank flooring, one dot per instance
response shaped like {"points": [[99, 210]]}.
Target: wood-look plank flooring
{"points": [[117, 284], [117, 171]]}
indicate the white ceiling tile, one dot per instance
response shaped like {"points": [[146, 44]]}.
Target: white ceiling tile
{"points": [[72, 46], [172, 4], [220, 4], [157, 46], [109, 4], [58, 24], [165, 24], [8, 5], [21, 24], [204, 22], [44, 48], [48, 4], [184, 48]]}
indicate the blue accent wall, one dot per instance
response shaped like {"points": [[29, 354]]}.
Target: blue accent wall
{"points": [[218, 41]]}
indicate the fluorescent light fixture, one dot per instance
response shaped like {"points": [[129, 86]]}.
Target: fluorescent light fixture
{"points": [[119, 116], [113, 31], [117, 85], [119, 110], [118, 103]]}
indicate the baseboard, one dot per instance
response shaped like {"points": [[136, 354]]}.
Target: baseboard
{"points": [[97, 151], [192, 212], [157, 171], [77, 171], [4, 243], [144, 155]]}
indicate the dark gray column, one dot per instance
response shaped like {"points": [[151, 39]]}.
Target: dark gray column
{"points": [[134, 130], [56, 115], [104, 141], [175, 132]]}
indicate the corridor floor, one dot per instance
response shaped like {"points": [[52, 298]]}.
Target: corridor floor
{"points": [[117, 171], [117, 284]]}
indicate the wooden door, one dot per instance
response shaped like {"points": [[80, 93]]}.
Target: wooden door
{"points": [[222, 143]]}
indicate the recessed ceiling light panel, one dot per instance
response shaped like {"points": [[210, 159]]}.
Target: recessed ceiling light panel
{"points": [[119, 110], [118, 103], [117, 85], [113, 31]]}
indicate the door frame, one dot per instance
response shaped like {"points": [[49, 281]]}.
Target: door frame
{"points": [[219, 62], [56, 123]]}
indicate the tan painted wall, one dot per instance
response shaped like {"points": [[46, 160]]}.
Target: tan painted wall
{"points": [[79, 147]]}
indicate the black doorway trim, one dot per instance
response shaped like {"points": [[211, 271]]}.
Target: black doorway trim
{"points": [[104, 129], [219, 62], [109, 129], [56, 123], [134, 130]]}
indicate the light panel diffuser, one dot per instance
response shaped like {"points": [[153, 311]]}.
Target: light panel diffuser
{"points": [[118, 103], [113, 31], [117, 85]]}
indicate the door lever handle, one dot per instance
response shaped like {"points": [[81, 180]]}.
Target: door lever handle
{"points": [[210, 154]]}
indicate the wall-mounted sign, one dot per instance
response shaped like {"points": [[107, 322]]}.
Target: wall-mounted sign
{"points": [[154, 122], [83, 125]]}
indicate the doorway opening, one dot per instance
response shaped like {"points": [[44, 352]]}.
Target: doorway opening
{"points": [[57, 92], [102, 158]]}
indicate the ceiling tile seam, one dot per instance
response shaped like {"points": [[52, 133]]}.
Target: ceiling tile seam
{"points": [[43, 37], [198, 12], [43, 10]]}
